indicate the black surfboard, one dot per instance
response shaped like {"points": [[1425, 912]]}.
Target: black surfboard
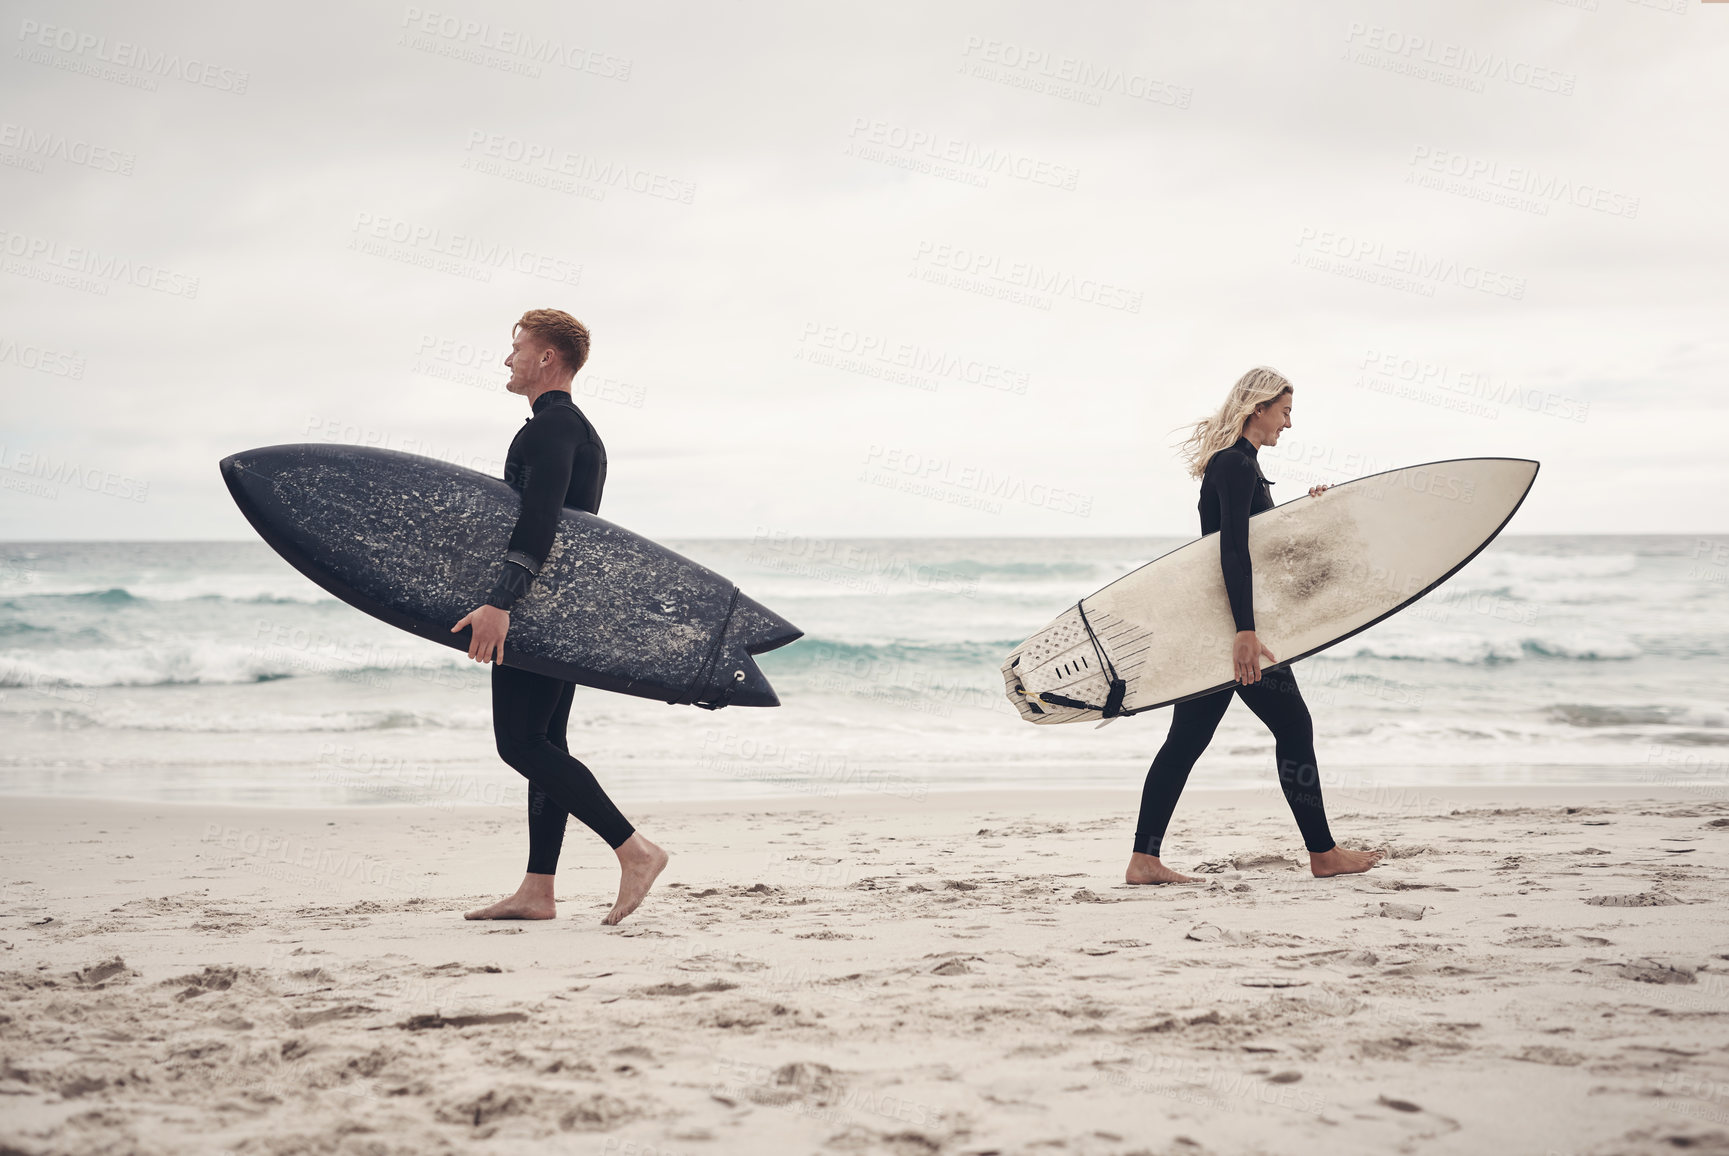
{"points": [[417, 542]]}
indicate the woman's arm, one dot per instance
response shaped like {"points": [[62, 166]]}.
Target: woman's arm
{"points": [[1236, 485], [1237, 482]]}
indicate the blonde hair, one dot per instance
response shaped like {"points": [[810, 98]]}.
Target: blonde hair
{"points": [[1256, 389], [560, 331]]}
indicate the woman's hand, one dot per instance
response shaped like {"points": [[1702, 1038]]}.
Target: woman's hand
{"points": [[490, 624], [1246, 652], [1317, 491]]}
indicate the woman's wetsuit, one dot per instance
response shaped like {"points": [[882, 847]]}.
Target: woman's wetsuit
{"points": [[1232, 489], [555, 460]]}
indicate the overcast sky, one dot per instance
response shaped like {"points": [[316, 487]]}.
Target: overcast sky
{"points": [[881, 269]]}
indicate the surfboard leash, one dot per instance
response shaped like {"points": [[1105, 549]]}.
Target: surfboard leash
{"points": [[703, 671], [1113, 707]]}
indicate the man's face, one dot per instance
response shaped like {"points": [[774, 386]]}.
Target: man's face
{"points": [[530, 362]]}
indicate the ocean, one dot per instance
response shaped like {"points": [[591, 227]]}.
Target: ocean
{"points": [[213, 672]]}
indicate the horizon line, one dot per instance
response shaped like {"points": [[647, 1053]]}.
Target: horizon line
{"points": [[4, 542]]}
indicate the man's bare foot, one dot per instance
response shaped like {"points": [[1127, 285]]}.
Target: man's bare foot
{"points": [[640, 863], [533, 900], [1340, 861], [1148, 869]]}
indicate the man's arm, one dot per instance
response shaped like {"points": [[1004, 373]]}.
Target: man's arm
{"points": [[547, 460]]}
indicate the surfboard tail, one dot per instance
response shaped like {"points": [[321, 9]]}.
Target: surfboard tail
{"points": [[754, 629]]}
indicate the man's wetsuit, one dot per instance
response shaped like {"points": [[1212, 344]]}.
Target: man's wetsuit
{"points": [[555, 460], [1233, 489]]}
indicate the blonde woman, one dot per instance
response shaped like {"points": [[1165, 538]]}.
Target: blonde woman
{"points": [[1222, 452]]}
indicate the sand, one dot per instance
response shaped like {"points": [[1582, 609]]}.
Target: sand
{"points": [[1535, 971]]}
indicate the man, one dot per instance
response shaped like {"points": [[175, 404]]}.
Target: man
{"points": [[555, 460]]}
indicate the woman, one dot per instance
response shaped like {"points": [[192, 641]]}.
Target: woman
{"points": [[1222, 452]]}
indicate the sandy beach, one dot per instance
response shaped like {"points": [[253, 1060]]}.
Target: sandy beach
{"points": [[1534, 971]]}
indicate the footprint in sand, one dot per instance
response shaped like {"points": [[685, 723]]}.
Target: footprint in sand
{"points": [[1641, 899]]}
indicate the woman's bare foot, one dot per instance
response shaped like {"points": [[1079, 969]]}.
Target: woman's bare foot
{"points": [[1148, 869], [533, 900], [1340, 861], [640, 863]]}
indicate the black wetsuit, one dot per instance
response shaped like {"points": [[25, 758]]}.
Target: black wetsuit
{"points": [[555, 460], [1233, 489]]}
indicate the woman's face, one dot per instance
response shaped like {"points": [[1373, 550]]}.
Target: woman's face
{"points": [[1270, 421]]}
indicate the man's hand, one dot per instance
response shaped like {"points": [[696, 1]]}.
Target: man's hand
{"points": [[1245, 657], [490, 625], [1317, 491]]}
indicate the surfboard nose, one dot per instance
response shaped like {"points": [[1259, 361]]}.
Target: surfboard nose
{"points": [[233, 469], [255, 480]]}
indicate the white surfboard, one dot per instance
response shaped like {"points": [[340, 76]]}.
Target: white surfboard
{"points": [[1325, 568]]}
